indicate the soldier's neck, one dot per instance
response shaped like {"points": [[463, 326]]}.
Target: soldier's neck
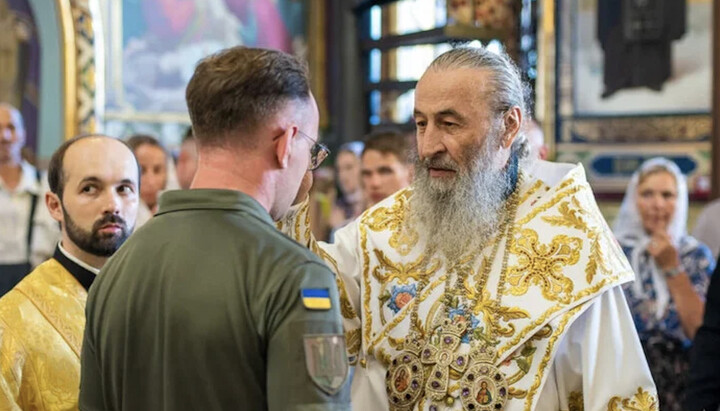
{"points": [[228, 171]]}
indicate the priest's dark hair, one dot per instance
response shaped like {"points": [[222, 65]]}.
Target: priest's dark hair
{"points": [[56, 172], [238, 89], [137, 140]]}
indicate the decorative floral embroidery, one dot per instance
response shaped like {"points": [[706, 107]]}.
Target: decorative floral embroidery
{"points": [[542, 265], [386, 271], [493, 313], [404, 237], [400, 296], [459, 314], [574, 217], [575, 401], [641, 401]]}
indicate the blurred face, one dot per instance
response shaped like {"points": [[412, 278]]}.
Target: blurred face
{"points": [[187, 163], [382, 175], [348, 171], [535, 137], [100, 200], [656, 201], [12, 136], [153, 165]]}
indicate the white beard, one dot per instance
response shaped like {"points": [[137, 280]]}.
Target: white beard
{"points": [[459, 214]]}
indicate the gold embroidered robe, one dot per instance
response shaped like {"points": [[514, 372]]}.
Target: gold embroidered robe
{"points": [[562, 328], [41, 327]]}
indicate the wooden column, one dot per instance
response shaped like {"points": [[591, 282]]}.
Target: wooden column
{"points": [[715, 173]]}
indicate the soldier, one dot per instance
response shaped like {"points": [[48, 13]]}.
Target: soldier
{"points": [[208, 306]]}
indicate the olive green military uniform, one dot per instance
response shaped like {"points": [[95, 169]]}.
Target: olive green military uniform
{"points": [[209, 307]]}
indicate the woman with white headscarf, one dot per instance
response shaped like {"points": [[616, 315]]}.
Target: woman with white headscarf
{"points": [[672, 272]]}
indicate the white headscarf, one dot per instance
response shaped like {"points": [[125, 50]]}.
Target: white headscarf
{"points": [[629, 230]]}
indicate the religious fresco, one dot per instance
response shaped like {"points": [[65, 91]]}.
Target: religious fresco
{"points": [[154, 45], [20, 63], [627, 89], [655, 60]]}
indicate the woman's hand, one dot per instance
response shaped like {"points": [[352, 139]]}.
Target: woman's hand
{"points": [[689, 306], [662, 250]]}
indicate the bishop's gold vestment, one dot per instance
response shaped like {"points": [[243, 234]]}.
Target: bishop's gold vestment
{"points": [[41, 327], [554, 317]]}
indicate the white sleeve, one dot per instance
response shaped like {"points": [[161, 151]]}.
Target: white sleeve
{"points": [[46, 231], [343, 258], [600, 362]]}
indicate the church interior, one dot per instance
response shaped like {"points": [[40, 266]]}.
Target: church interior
{"points": [[610, 85], [120, 67]]}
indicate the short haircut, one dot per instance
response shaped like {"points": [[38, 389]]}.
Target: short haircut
{"points": [[390, 142], [188, 135], [238, 89], [137, 140], [56, 171], [353, 147]]}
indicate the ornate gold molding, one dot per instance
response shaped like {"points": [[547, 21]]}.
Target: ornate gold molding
{"points": [[317, 56], [545, 84], [78, 65], [69, 67], [650, 129]]}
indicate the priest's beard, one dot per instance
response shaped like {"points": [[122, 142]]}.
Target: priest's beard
{"points": [[459, 214], [94, 242]]}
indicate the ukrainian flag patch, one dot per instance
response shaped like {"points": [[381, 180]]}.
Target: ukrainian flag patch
{"points": [[316, 298]]}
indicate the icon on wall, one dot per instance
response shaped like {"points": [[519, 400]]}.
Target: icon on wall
{"points": [[636, 37]]}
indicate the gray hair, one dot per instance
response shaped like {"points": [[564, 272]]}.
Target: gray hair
{"points": [[507, 91]]}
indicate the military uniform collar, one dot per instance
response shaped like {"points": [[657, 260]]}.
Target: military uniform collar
{"points": [[81, 271], [211, 199]]}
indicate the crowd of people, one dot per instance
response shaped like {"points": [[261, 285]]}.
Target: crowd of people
{"points": [[452, 269]]}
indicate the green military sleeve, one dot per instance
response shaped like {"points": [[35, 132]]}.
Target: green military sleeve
{"points": [[307, 366], [91, 393]]}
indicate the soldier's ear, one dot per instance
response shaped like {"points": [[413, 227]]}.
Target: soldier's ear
{"points": [[282, 146], [54, 206]]}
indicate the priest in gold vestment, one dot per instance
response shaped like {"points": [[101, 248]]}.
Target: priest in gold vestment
{"points": [[94, 185], [491, 283]]}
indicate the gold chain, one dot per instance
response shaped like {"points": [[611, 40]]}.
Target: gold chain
{"points": [[510, 239], [414, 319], [407, 378], [509, 230]]}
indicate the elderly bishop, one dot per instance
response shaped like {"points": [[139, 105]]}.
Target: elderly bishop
{"points": [[491, 283]]}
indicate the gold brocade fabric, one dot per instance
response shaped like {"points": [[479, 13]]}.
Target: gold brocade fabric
{"points": [[41, 327], [561, 259]]}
